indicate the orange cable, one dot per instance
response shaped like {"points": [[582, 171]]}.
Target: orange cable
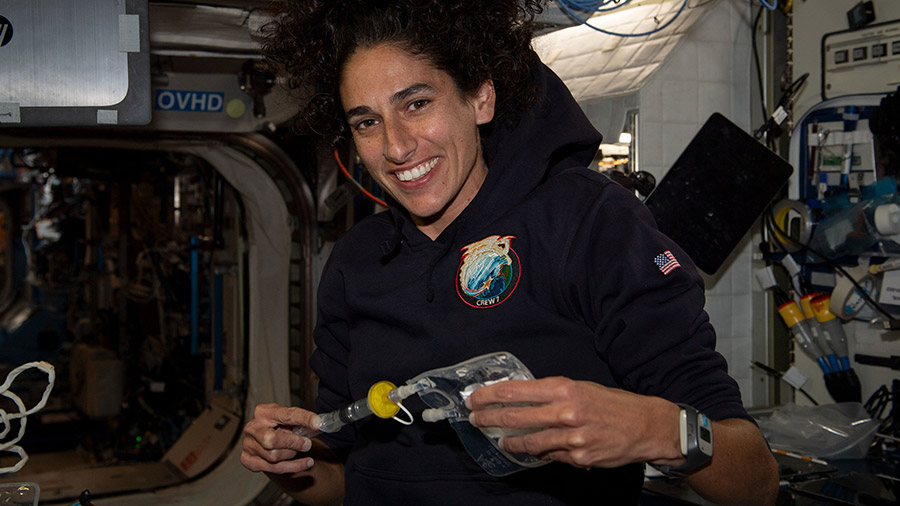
{"points": [[363, 190]]}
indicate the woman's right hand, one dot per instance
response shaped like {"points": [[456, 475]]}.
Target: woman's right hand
{"points": [[269, 443]]}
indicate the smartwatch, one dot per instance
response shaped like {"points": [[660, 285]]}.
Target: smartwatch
{"points": [[696, 442]]}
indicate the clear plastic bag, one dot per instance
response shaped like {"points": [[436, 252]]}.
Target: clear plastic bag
{"points": [[446, 397], [19, 494], [833, 431]]}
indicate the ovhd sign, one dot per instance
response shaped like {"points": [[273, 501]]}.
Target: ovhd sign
{"points": [[189, 101], [6, 31]]}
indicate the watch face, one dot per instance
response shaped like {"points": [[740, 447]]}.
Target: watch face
{"points": [[704, 439]]}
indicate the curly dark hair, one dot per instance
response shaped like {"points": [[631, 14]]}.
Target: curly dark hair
{"points": [[471, 40]]}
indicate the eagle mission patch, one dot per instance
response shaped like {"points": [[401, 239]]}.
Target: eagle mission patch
{"points": [[488, 272]]}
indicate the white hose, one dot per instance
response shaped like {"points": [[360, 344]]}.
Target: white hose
{"points": [[22, 415]]}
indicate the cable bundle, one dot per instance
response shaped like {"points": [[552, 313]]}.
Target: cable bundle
{"points": [[604, 6], [22, 415]]}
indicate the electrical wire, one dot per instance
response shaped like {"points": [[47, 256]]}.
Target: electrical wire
{"points": [[878, 402], [777, 374], [595, 5], [770, 123], [759, 79], [800, 284], [355, 182], [792, 89], [789, 92], [876, 406], [770, 222], [568, 5]]}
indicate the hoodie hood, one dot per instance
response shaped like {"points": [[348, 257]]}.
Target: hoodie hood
{"points": [[554, 135]]}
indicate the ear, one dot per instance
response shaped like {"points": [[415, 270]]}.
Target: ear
{"points": [[484, 101]]}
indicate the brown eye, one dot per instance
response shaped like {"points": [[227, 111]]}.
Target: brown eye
{"points": [[364, 124]]}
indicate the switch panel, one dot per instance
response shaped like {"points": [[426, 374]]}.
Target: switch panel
{"points": [[861, 61]]}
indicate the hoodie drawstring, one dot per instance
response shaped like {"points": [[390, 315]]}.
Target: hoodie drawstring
{"points": [[429, 279], [391, 246]]}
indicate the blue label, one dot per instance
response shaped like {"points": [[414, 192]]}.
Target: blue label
{"points": [[193, 101]]}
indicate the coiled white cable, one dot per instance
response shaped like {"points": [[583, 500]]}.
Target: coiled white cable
{"points": [[22, 415]]}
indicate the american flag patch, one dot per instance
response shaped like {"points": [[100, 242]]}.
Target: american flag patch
{"points": [[666, 262]]}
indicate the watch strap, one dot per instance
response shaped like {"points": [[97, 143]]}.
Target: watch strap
{"points": [[696, 442]]}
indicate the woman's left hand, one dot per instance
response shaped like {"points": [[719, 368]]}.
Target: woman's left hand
{"points": [[580, 423]]}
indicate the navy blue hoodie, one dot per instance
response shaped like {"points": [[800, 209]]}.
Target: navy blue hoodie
{"points": [[552, 262]]}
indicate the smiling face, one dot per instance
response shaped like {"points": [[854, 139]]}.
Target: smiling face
{"points": [[416, 132]]}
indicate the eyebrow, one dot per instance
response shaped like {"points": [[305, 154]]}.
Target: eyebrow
{"points": [[410, 91], [397, 97]]}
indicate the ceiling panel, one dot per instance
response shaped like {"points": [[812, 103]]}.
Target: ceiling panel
{"points": [[595, 64]]}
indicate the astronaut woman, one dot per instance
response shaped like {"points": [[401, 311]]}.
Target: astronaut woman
{"points": [[482, 151]]}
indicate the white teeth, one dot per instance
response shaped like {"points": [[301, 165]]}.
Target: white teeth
{"points": [[417, 171]]}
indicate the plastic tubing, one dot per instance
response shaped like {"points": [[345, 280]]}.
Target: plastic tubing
{"points": [[333, 421], [383, 401]]}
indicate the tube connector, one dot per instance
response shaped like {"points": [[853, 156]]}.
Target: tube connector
{"points": [[404, 391], [314, 430], [436, 415]]}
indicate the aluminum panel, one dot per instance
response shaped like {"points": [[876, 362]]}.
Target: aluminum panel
{"points": [[63, 53]]}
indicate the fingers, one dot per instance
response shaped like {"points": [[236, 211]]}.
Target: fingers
{"points": [[277, 438], [258, 464], [275, 414], [550, 402], [560, 445], [521, 391], [272, 427], [269, 444], [550, 408], [576, 447], [528, 417], [579, 423], [546, 441]]}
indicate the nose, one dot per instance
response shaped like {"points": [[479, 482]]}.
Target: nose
{"points": [[399, 143]]}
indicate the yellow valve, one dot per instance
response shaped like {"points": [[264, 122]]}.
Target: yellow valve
{"points": [[379, 402]]}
